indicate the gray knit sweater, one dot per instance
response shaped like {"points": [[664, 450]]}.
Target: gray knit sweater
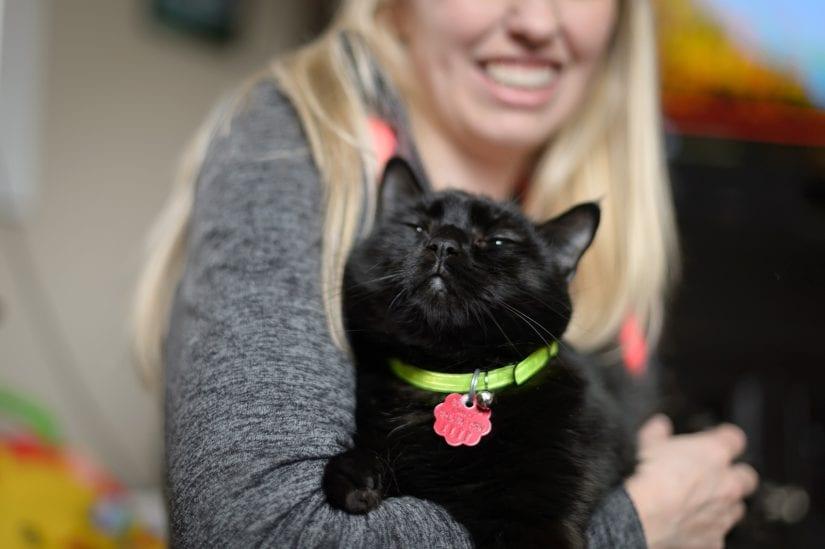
{"points": [[257, 397]]}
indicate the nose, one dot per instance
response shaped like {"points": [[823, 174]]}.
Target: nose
{"points": [[534, 22], [443, 246], [447, 240]]}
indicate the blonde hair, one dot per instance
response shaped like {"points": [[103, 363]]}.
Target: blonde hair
{"points": [[610, 150]]}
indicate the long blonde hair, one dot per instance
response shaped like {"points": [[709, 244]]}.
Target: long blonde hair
{"points": [[610, 150]]}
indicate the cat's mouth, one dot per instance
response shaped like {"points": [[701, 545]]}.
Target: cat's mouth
{"points": [[437, 284], [434, 284]]}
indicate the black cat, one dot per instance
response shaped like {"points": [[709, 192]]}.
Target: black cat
{"points": [[449, 282]]}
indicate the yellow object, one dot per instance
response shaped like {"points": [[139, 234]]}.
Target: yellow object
{"points": [[44, 502]]}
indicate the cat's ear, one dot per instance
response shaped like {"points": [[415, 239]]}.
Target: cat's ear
{"points": [[399, 187], [570, 234]]}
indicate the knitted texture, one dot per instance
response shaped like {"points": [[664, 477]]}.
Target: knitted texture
{"points": [[257, 397]]}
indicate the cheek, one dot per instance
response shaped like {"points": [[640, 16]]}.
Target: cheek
{"points": [[448, 22], [441, 34], [588, 26]]}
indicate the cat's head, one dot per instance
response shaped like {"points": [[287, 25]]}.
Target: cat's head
{"points": [[450, 271]]}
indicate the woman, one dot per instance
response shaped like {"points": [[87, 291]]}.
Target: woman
{"points": [[548, 101]]}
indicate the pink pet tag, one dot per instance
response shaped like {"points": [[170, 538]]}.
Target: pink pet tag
{"points": [[461, 424]]}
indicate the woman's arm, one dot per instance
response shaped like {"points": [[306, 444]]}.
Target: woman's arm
{"points": [[615, 524], [257, 396]]}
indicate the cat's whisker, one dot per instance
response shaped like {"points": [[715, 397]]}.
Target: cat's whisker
{"points": [[533, 321], [530, 324], [567, 308], [397, 428], [398, 295], [376, 264], [480, 323], [569, 316], [354, 298], [341, 288], [500, 329], [550, 308], [391, 276]]}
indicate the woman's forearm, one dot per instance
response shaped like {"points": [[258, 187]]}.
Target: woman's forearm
{"points": [[258, 398], [615, 524]]}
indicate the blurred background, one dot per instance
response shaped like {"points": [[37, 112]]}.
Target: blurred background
{"points": [[743, 86], [98, 97]]}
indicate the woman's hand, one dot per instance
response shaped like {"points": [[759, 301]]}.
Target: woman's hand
{"points": [[686, 490]]}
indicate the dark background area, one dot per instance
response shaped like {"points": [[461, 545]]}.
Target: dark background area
{"points": [[745, 335]]}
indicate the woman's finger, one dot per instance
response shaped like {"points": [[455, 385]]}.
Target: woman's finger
{"points": [[654, 430], [747, 477], [736, 513], [737, 482], [729, 439]]}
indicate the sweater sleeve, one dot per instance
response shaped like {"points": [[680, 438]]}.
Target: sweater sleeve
{"points": [[615, 524], [257, 396]]}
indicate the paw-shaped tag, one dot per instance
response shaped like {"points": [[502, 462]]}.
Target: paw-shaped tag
{"points": [[459, 423]]}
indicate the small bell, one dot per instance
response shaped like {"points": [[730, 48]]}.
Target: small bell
{"points": [[484, 400]]}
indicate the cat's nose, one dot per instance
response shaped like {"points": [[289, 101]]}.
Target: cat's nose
{"points": [[444, 246], [446, 240]]}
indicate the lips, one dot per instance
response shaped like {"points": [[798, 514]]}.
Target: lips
{"points": [[518, 75], [521, 82]]}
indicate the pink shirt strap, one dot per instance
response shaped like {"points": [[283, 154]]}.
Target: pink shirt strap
{"points": [[383, 139], [631, 337], [633, 345]]}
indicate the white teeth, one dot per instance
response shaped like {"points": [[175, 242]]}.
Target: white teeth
{"points": [[520, 76]]}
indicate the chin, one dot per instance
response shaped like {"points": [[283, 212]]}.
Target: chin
{"points": [[517, 131], [438, 310]]}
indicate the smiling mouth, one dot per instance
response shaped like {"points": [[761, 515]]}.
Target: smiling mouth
{"points": [[521, 75]]}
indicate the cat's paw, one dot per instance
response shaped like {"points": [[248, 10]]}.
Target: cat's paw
{"points": [[353, 481]]}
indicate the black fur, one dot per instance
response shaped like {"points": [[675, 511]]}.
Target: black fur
{"points": [[558, 443]]}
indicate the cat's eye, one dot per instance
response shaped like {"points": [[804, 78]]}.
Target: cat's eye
{"points": [[418, 228], [501, 241]]}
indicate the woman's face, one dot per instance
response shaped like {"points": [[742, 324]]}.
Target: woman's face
{"points": [[504, 73]]}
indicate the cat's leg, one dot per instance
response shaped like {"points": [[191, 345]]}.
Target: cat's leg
{"points": [[355, 481]]}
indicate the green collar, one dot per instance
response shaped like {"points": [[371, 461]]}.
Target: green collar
{"points": [[460, 383]]}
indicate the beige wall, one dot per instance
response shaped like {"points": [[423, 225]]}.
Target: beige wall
{"points": [[120, 98]]}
